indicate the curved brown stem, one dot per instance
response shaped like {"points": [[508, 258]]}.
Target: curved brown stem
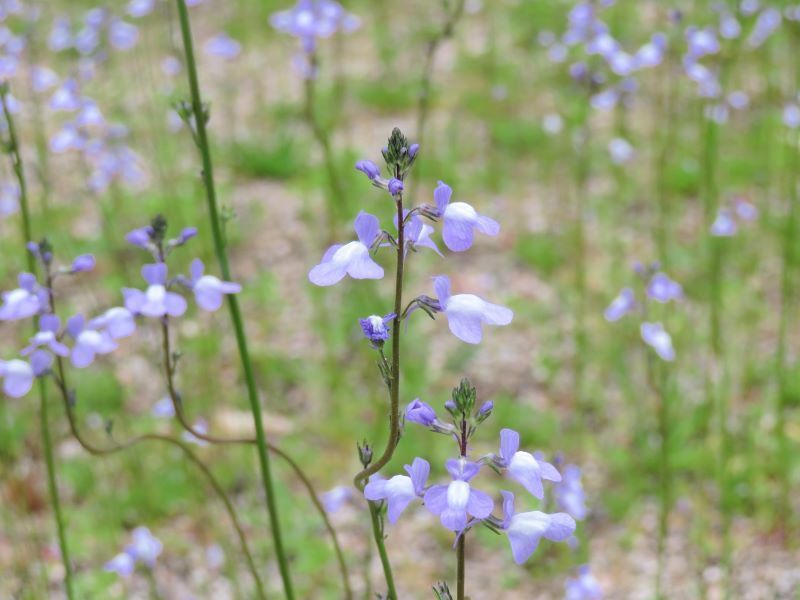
{"points": [[169, 371]]}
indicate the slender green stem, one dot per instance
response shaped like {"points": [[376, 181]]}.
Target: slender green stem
{"points": [[424, 98], [394, 387], [52, 488], [233, 303], [336, 200], [380, 542], [460, 566], [47, 445]]}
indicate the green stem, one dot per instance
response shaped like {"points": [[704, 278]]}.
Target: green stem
{"points": [[52, 488], [336, 201], [460, 566], [47, 445], [423, 102], [233, 303], [380, 542], [394, 387]]}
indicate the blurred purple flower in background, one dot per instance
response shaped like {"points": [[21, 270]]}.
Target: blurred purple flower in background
{"points": [[88, 342], [663, 289], [621, 305], [222, 46], [569, 494], [583, 587], [18, 376], [209, 290], [659, 340], [23, 302]]}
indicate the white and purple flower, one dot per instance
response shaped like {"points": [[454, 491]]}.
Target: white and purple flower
{"points": [[456, 502], [460, 220], [525, 530], [351, 259], [209, 290], [522, 467], [156, 301], [466, 313], [400, 490]]}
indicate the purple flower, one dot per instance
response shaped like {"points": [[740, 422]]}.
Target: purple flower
{"points": [[620, 150], [421, 413], [453, 503], [23, 302], [42, 79], [729, 27], [223, 46], [620, 306], [140, 8], [122, 35], [418, 233], [376, 328], [766, 24], [311, 19], [140, 237], [395, 186], [701, 42], [17, 377], [47, 336], [118, 322], [122, 564], [9, 199], [663, 289], [144, 546], [201, 427], [156, 301], [525, 530], [584, 587], [569, 494], [60, 37], [209, 290], [400, 490], [724, 225], [522, 466], [350, 259], [486, 408], [164, 408], [334, 499], [67, 138], [659, 340], [88, 342], [412, 150], [83, 263], [460, 219], [791, 115], [467, 313], [369, 168], [744, 210]]}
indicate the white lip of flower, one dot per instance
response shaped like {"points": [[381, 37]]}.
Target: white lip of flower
{"points": [[458, 495], [461, 211], [376, 323], [16, 296], [524, 460], [156, 293], [349, 252]]}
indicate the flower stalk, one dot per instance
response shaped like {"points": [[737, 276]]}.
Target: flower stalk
{"points": [[200, 115]]}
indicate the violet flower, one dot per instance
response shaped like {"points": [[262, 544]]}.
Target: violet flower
{"points": [[569, 494], [312, 19], [156, 301], [164, 408], [418, 234], [522, 467], [350, 259], [144, 546], [466, 313], [421, 413], [724, 225], [222, 46], [369, 168], [659, 340], [140, 8], [209, 290], [47, 336], [584, 587], [122, 35], [123, 564], [23, 302], [620, 306], [88, 342], [118, 322], [526, 529], [455, 502], [460, 219], [83, 264], [333, 500], [663, 289], [400, 490], [376, 328], [17, 376]]}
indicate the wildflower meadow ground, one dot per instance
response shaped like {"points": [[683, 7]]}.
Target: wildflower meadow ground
{"points": [[445, 299]]}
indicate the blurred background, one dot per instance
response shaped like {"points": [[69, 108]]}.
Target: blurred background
{"points": [[601, 149]]}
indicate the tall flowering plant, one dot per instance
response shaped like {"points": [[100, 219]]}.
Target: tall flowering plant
{"points": [[459, 505]]}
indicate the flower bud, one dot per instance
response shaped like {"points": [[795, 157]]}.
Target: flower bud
{"points": [[369, 168], [421, 413]]}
